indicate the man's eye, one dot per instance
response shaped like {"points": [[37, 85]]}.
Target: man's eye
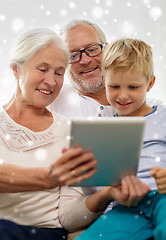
{"points": [[74, 55], [92, 49]]}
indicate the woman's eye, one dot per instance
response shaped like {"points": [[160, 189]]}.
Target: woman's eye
{"points": [[59, 74], [42, 70]]}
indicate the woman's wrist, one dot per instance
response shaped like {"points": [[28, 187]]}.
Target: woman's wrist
{"points": [[19, 179]]}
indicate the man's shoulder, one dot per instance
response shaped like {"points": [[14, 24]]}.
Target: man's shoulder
{"points": [[67, 92], [67, 103], [153, 101], [67, 88]]}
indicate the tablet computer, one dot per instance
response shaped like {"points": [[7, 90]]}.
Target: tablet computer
{"points": [[116, 143]]}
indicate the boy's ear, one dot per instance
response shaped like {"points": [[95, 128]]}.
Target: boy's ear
{"points": [[103, 80], [151, 84], [15, 70]]}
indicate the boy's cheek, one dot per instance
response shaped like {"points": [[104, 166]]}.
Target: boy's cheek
{"points": [[108, 95]]}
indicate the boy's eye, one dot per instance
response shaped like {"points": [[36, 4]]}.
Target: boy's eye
{"points": [[115, 87], [133, 87]]}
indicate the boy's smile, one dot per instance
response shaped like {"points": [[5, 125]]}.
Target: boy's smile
{"points": [[126, 92]]}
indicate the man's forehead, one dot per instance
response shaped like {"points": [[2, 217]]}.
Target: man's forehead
{"points": [[81, 37], [81, 46]]}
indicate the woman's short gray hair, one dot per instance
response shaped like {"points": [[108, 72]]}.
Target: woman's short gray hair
{"points": [[34, 40], [78, 22]]}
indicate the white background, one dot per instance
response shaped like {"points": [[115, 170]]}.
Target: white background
{"points": [[142, 19]]}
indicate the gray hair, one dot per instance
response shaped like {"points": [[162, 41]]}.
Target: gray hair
{"points": [[78, 22], [34, 40]]}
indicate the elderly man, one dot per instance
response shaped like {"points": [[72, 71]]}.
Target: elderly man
{"points": [[86, 95]]}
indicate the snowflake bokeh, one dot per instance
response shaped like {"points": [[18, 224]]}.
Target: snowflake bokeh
{"points": [[41, 154], [144, 19]]}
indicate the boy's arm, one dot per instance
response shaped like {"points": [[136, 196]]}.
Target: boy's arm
{"points": [[87, 209], [131, 191]]}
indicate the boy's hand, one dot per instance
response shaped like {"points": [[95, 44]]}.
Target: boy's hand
{"points": [[130, 192], [160, 176]]}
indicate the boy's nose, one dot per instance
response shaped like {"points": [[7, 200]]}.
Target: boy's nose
{"points": [[123, 95]]}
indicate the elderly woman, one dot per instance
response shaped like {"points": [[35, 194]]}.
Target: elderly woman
{"points": [[35, 156], [33, 138]]}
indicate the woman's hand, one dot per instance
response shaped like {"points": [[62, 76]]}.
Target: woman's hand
{"points": [[72, 167], [160, 176]]}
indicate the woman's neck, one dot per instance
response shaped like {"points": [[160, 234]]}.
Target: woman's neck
{"points": [[34, 118]]}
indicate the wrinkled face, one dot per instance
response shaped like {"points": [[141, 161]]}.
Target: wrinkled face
{"points": [[41, 78], [86, 73], [126, 92]]}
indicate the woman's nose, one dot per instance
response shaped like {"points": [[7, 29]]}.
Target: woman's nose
{"points": [[50, 79]]}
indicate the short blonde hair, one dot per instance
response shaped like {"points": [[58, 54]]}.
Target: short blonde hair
{"points": [[129, 54]]}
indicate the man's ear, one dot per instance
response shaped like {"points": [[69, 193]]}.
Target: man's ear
{"points": [[151, 84], [103, 80], [15, 70]]}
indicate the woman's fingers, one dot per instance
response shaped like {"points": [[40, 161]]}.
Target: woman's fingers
{"points": [[73, 166], [64, 150], [80, 160], [68, 154], [81, 177], [78, 171]]}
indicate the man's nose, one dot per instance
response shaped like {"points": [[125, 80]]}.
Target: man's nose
{"points": [[84, 58]]}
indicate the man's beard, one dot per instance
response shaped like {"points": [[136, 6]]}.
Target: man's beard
{"points": [[86, 86]]}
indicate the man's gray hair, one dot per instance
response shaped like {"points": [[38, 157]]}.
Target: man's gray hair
{"points": [[78, 22]]}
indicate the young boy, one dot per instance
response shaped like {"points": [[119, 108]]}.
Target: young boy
{"points": [[128, 76]]}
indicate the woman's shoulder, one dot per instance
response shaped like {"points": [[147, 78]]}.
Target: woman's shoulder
{"points": [[3, 116]]}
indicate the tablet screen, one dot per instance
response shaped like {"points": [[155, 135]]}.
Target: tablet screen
{"points": [[116, 143]]}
